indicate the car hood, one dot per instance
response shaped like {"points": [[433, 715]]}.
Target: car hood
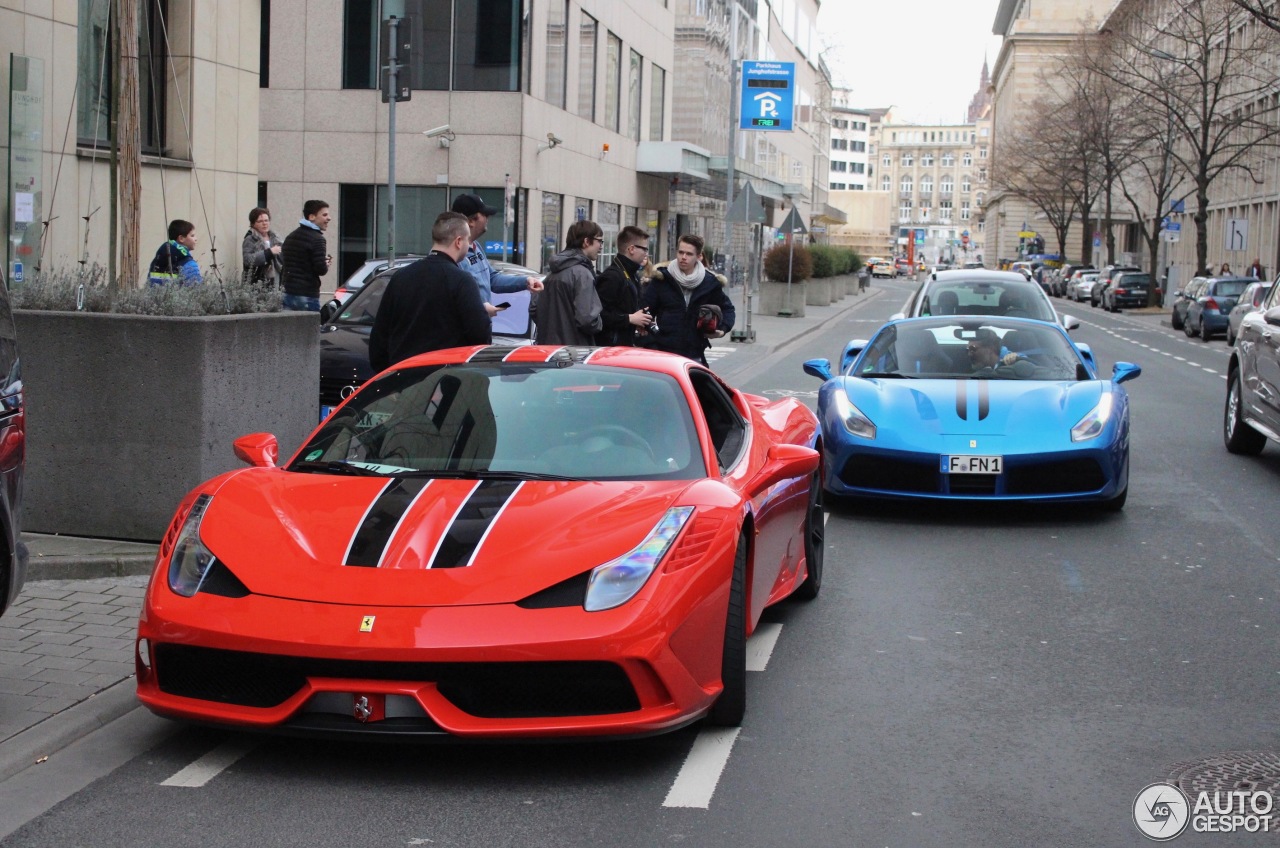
{"points": [[974, 407], [344, 354], [387, 542]]}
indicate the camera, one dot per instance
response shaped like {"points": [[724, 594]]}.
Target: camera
{"points": [[652, 328]]}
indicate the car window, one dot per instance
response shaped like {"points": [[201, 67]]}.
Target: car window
{"points": [[939, 349], [361, 309], [728, 430], [1230, 288], [986, 298], [581, 422], [1131, 279], [1260, 294]]}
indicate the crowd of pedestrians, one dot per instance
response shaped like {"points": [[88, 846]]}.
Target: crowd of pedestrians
{"points": [[446, 298]]}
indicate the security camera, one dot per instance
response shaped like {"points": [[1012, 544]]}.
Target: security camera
{"points": [[554, 139], [437, 132]]}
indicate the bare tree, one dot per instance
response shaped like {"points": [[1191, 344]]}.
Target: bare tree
{"points": [[1263, 11], [1043, 171], [1203, 65]]}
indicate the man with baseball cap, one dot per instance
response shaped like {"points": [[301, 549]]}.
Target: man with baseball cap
{"points": [[477, 264]]}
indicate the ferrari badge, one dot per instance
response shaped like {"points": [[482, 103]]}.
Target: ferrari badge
{"points": [[366, 624]]}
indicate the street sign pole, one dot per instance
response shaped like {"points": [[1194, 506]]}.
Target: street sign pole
{"points": [[393, 69], [729, 190]]}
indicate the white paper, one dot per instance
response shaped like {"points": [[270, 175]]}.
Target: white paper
{"points": [[24, 207]]}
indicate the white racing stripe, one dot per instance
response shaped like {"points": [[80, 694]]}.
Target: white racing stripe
{"points": [[211, 764], [696, 782], [760, 646]]}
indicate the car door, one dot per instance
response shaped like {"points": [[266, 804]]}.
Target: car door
{"points": [[1260, 360], [13, 454], [1190, 301]]}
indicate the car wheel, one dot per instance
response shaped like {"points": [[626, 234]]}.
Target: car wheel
{"points": [[1237, 435], [815, 528], [731, 706], [1187, 328], [1113, 307], [1205, 335], [1231, 337], [1174, 320]]}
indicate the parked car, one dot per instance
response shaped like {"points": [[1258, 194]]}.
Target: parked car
{"points": [[1104, 280], [982, 292], [13, 457], [1251, 414], [1069, 272], [910, 416], [1251, 300], [486, 544], [883, 268], [902, 267], [1081, 285], [1128, 289], [1206, 303], [344, 337], [367, 272]]}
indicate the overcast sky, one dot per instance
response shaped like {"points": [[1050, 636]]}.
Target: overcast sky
{"points": [[923, 57]]}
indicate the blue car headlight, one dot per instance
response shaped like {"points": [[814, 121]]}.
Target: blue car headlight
{"points": [[854, 421], [1092, 425], [191, 560], [617, 582]]}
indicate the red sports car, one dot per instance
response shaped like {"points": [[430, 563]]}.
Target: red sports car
{"points": [[491, 542]]}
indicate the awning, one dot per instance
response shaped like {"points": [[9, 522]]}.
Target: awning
{"points": [[830, 215], [673, 159]]}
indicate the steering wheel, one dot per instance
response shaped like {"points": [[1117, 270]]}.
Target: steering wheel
{"points": [[619, 435]]}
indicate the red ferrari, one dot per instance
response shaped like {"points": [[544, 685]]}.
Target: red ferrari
{"points": [[492, 542]]}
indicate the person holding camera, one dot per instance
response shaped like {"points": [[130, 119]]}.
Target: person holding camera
{"points": [[619, 289], [689, 303]]}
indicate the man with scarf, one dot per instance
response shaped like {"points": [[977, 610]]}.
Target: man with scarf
{"points": [[619, 290], [689, 303]]}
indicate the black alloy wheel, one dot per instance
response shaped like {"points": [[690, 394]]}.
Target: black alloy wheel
{"points": [[1237, 435], [731, 706], [815, 531], [1205, 335], [1175, 320]]}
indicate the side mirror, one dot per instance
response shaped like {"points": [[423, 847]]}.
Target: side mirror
{"points": [[1070, 322], [1124, 371], [820, 368], [851, 351], [1087, 353], [329, 310], [785, 462], [258, 449], [897, 316]]}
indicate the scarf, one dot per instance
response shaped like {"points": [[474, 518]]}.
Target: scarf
{"points": [[688, 282]]}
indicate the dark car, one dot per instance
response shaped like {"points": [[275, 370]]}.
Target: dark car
{"points": [[1104, 280], [1250, 301], [344, 338], [1252, 412], [1062, 288], [13, 456], [1204, 306], [1128, 290]]}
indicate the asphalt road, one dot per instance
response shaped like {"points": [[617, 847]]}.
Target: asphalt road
{"points": [[969, 677]]}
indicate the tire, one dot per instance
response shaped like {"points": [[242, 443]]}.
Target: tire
{"points": [[1205, 335], [815, 527], [1113, 307], [1237, 435], [1231, 337], [1174, 321], [731, 706], [1187, 328]]}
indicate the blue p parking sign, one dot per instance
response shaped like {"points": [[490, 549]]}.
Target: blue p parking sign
{"points": [[768, 96]]}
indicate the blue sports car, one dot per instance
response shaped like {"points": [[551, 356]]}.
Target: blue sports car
{"points": [[974, 407]]}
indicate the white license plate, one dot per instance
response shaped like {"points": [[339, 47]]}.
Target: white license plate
{"points": [[324, 412], [968, 464]]}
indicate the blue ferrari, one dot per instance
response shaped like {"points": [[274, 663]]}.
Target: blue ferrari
{"points": [[974, 407]]}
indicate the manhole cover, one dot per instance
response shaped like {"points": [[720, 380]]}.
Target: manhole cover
{"points": [[1244, 771]]}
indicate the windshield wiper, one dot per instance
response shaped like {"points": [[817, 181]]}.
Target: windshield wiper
{"points": [[482, 474], [333, 466]]}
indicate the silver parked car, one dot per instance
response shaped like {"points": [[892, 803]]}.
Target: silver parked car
{"points": [[1251, 300]]}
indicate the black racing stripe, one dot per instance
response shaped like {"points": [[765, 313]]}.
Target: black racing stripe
{"points": [[472, 523], [380, 522], [493, 353], [984, 399], [962, 400]]}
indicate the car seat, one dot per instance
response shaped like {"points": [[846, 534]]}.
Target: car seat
{"points": [[918, 353], [947, 303], [1013, 305]]}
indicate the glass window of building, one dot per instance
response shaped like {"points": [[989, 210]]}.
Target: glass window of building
{"points": [[927, 160], [552, 226], [982, 153], [964, 210], [589, 31], [887, 161], [486, 45], [657, 102], [908, 160], [904, 211], [947, 185], [965, 185], [363, 215], [581, 210], [948, 160], [886, 184], [633, 95], [557, 49], [93, 73], [613, 83], [906, 185], [967, 160], [926, 184], [608, 217]]}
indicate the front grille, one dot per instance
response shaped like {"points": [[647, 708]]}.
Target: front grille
{"points": [[486, 690], [331, 389], [1055, 478], [891, 475], [972, 484]]}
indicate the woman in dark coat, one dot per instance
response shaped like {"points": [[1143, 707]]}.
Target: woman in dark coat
{"points": [[261, 250], [677, 297]]}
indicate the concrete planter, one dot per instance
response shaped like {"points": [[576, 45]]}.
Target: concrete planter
{"points": [[850, 283], [774, 299], [818, 291], [126, 413]]}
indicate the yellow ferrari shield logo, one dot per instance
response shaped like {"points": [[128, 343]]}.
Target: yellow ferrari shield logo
{"points": [[366, 624]]}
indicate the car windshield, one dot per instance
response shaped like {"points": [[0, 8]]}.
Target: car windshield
{"points": [[973, 297], [1230, 288], [1135, 280], [527, 421], [360, 310], [943, 348]]}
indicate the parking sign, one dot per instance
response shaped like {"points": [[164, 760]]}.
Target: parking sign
{"points": [[768, 96]]}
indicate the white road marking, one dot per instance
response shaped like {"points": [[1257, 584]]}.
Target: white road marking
{"points": [[211, 764], [760, 646], [696, 782]]}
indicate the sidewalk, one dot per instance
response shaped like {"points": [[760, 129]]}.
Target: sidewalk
{"points": [[66, 645]]}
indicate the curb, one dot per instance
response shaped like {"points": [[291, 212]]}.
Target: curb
{"points": [[52, 734], [89, 567]]}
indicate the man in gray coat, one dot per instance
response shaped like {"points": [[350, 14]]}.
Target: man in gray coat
{"points": [[567, 311]]}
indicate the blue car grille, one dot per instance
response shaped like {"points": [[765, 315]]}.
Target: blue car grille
{"points": [[909, 476]]}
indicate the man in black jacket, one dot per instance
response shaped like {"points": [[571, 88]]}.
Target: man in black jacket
{"points": [[676, 300], [619, 290], [305, 259], [432, 304]]}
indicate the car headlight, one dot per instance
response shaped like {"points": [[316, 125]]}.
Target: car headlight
{"points": [[617, 582], [191, 560], [852, 418], [1092, 425]]}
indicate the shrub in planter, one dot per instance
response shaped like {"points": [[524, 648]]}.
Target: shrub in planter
{"points": [[824, 260], [61, 291], [782, 255]]}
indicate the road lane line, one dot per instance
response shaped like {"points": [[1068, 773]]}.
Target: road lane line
{"points": [[760, 645], [211, 764], [696, 782]]}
